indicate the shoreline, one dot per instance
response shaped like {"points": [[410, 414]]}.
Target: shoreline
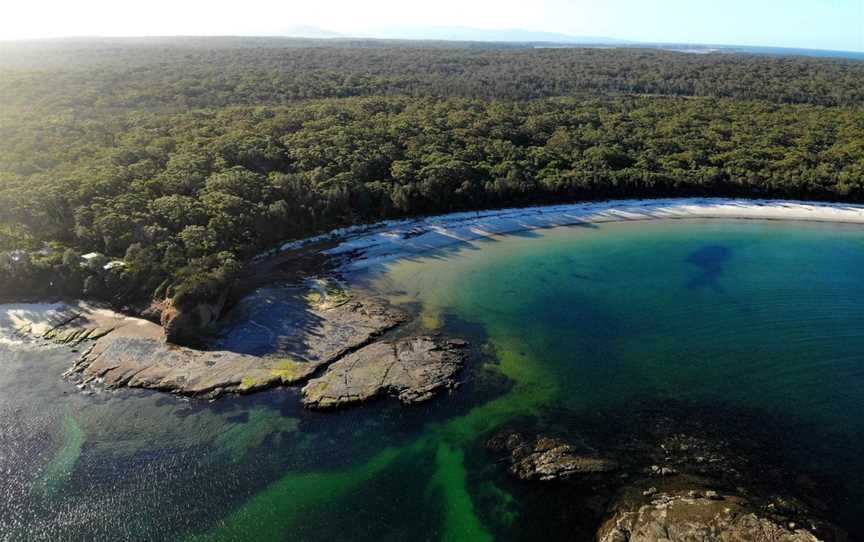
{"points": [[367, 246], [330, 322]]}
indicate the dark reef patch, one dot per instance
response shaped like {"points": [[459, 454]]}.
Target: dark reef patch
{"points": [[710, 261], [660, 447]]}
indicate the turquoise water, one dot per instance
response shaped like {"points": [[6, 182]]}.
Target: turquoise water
{"points": [[575, 329]]}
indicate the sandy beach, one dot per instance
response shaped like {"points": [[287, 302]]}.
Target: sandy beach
{"points": [[375, 244]]}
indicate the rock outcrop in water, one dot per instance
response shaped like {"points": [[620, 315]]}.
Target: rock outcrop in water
{"points": [[696, 515], [545, 458], [412, 370], [135, 357], [669, 473], [131, 352]]}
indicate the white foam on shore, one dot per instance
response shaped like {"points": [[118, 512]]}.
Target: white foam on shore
{"points": [[371, 245], [15, 315], [40, 318]]}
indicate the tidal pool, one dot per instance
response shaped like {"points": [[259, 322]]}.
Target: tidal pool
{"points": [[575, 329]]}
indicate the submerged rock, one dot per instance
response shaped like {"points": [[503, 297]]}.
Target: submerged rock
{"points": [[546, 458], [695, 516], [412, 370]]}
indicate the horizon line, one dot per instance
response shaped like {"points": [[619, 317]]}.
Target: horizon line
{"points": [[619, 43]]}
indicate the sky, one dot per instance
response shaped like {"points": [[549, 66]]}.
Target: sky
{"points": [[819, 24]]}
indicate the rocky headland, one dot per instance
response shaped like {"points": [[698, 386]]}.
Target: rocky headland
{"points": [[326, 333]]}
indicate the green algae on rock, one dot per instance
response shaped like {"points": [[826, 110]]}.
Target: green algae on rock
{"points": [[327, 294]]}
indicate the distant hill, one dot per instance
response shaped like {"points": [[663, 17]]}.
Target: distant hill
{"points": [[306, 31], [77, 50], [460, 33]]}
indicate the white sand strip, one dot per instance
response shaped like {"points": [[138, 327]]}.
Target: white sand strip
{"points": [[385, 241]]}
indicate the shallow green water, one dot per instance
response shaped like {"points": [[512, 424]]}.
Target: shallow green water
{"points": [[580, 326]]}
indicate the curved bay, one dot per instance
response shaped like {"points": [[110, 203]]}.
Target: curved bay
{"points": [[580, 325]]}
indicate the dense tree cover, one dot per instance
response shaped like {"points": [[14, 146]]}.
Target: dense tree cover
{"points": [[177, 74], [184, 195]]}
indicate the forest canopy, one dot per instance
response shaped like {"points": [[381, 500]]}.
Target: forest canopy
{"points": [[182, 159]]}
